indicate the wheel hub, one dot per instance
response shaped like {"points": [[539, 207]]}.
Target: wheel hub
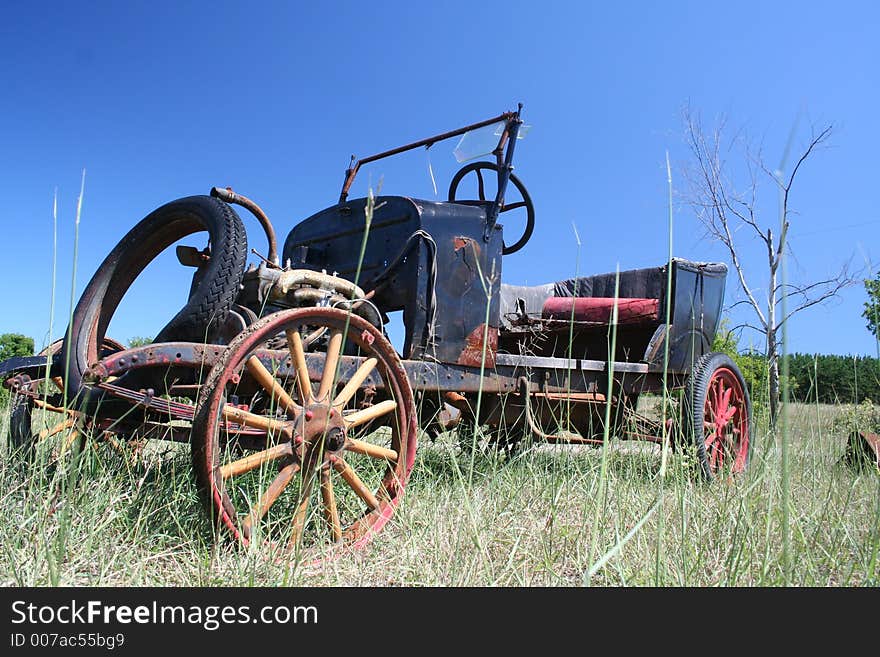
{"points": [[319, 430]]}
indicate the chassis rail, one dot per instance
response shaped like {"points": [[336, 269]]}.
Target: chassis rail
{"points": [[547, 375]]}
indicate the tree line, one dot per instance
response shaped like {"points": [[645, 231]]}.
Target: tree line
{"points": [[832, 379], [826, 378]]}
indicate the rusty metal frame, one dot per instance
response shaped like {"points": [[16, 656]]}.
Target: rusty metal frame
{"points": [[549, 375], [226, 194], [356, 164], [577, 381]]}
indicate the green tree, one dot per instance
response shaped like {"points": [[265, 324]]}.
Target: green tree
{"points": [[834, 379], [872, 305], [139, 341], [15, 344], [11, 345], [752, 365]]}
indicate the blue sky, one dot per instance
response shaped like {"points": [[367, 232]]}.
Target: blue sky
{"points": [[162, 100]]}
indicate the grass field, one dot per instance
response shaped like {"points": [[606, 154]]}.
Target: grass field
{"points": [[105, 519]]}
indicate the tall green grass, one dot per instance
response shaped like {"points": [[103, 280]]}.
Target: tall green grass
{"points": [[111, 518]]}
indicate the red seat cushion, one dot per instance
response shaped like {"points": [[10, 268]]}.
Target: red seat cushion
{"points": [[598, 309]]}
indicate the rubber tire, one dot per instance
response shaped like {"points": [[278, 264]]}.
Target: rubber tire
{"points": [[200, 318], [20, 434], [21, 437], [694, 402]]}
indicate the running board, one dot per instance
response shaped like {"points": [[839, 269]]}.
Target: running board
{"points": [[512, 360]]}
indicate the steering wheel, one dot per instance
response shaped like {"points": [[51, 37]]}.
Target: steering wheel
{"points": [[526, 202]]}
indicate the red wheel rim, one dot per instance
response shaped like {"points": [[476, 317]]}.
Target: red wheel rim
{"points": [[725, 422]]}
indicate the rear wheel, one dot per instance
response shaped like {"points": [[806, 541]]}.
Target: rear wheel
{"points": [[718, 415], [21, 437], [35, 410]]}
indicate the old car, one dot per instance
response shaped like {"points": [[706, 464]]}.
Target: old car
{"points": [[282, 378]]}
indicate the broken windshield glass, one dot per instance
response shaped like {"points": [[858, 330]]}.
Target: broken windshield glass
{"points": [[482, 141]]}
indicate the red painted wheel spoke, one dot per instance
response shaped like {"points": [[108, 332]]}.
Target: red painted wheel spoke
{"points": [[711, 438], [727, 439], [726, 413], [731, 412], [720, 400], [711, 401]]}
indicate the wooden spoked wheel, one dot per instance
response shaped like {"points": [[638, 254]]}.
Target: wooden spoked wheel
{"points": [[305, 431]]}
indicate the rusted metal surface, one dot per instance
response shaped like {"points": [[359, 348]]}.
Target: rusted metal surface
{"points": [[557, 385], [460, 242], [166, 354], [538, 432], [480, 340], [32, 366], [863, 447], [226, 194], [159, 412], [596, 397], [149, 400]]}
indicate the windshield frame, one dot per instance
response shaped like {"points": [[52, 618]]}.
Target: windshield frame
{"points": [[511, 124]]}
